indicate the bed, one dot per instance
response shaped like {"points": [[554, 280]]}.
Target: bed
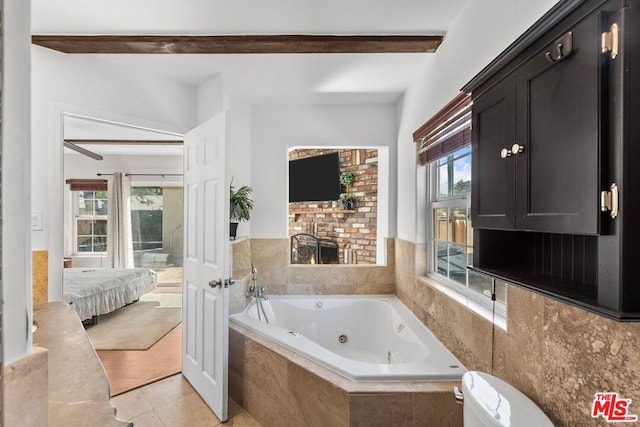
{"points": [[95, 291]]}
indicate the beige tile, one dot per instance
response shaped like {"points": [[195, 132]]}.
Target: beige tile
{"points": [[162, 391], [265, 369], [241, 256], [584, 354], [26, 390], [234, 409], [318, 402], [436, 409], [524, 337], [267, 408], [236, 366], [372, 410], [130, 405], [242, 420], [237, 293], [187, 410], [148, 419], [271, 257]]}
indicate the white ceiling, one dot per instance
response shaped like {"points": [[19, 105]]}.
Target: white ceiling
{"points": [[243, 16], [261, 78]]}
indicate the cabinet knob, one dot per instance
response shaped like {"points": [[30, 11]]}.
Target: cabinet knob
{"points": [[517, 148], [504, 153]]}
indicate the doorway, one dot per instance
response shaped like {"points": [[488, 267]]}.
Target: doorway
{"points": [[139, 341]]}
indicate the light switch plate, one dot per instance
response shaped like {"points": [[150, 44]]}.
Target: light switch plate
{"points": [[36, 220]]}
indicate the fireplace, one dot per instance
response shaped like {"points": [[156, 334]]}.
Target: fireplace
{"points": [[309, 249]]}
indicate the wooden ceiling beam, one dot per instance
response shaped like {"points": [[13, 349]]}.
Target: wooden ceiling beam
{"points": [[234, 44]]}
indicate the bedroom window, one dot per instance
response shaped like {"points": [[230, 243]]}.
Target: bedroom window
{"points": [[91, 221]]}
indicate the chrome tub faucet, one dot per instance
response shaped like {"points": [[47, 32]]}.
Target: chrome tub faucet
{"points": [[257, 293]]}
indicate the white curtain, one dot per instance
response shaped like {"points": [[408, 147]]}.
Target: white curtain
{"points": [[119, 241]]}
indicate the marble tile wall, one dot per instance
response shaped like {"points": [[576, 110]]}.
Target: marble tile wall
{"points": [[241, 272], [271, 257], [26, 397], [557, 354]]}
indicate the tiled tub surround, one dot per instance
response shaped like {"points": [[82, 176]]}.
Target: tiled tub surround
{"points": [[279, 387], [371, 338], [557, 354], [278, 276]]}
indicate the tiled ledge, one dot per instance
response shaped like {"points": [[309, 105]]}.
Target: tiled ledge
{"points": [[78, 386]]}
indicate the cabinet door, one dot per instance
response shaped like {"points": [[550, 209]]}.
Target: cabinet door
{"points": [[558, 123], [492, 197]]}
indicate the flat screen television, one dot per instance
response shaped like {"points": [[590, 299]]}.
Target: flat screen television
{"points": [[315, 179]]}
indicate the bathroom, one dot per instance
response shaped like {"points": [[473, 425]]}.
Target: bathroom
{"points": [[555, 353]]}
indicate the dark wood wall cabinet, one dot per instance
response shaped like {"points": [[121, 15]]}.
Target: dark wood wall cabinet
{"points": [[556, 158]]}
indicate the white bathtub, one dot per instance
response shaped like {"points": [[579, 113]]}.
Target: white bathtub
{"points": [[384, 340]]}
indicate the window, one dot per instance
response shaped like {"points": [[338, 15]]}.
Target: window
{"points": [[146, 217], [91, 221], [452, 234], [445, 147]]}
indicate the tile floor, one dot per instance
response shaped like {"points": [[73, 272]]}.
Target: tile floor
{"points": [[172, 402]]}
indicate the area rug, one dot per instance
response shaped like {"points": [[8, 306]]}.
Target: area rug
{"points": [[137, 326], [130, 369]]}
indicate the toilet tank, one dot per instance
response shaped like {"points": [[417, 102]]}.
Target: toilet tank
{"points": [[491, 402]]}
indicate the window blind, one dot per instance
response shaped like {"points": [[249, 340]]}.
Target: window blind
{"points": [[448, 130], [87, 184]]}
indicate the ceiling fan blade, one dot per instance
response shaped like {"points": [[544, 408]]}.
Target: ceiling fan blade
{"points": [[82, 151]]}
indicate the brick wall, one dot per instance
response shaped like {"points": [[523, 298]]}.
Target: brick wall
{"points": [[355, 229]]}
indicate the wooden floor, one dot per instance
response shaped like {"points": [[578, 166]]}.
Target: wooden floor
{"points": [[131, 369]]}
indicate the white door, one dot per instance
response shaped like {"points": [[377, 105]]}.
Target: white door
{"points": [[205, 316]]}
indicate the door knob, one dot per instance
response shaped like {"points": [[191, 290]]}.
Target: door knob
{"points": [[504, 153], [218, 283], [214, 283], [517, 148]]}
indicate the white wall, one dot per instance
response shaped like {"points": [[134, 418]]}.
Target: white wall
{"points": [[480, 32], [214, 99], [16, 171], [86, 85], [210, 98], [238, 150], [274, 129]]}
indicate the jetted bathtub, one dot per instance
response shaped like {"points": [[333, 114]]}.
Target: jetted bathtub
{"points": [[361, 337]]}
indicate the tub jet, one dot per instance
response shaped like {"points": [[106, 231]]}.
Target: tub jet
{"points": [[343, 339]]}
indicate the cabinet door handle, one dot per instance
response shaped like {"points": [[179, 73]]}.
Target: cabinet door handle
{"points": [[515, 149]]}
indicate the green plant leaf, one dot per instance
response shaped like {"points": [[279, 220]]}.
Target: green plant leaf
{"points": [[346, 178], [240, 203]]}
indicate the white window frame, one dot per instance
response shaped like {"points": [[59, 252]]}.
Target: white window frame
{"points": [[76, 217], [462, 201]]}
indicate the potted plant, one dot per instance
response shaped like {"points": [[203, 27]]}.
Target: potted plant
{"points": [[348, 200], [240, 205]]}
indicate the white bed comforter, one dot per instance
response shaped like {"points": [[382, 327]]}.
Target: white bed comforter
{"points": [[91, 292]]}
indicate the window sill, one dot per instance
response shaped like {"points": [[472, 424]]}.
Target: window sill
{"points": [[497, 319]]}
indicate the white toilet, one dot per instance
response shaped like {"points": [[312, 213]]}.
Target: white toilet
{"points": [[491, 402]]}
